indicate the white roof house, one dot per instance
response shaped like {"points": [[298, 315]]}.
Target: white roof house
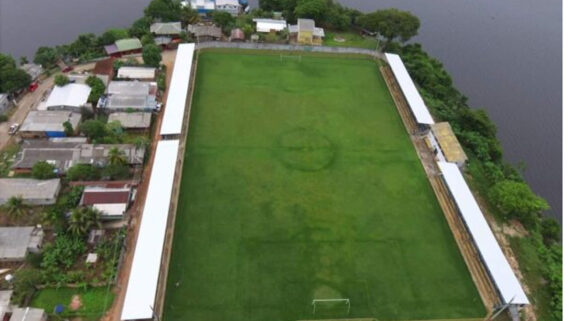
{"points": [[178, 92], [49, 121], [497, 265], [143, 280], [70, 96], [268, 25], [131, 87], [413, 97], [231, 6], [142, 73]]}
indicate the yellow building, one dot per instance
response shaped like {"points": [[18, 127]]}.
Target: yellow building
{"points": [[305, 32]]}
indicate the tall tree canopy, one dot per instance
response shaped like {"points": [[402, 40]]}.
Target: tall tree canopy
{"points": [[152, 55], [114, 34], [46, 56], [391, 24], [516, 200], [97, 88], [163, 10], [11, 77]]}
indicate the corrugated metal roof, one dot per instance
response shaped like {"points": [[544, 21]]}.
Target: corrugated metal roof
{"points": [[128, 44], [49, 120], [143, 280], [501, 272], [448, 142], [71, 95], [166, 28], [415, 101]]}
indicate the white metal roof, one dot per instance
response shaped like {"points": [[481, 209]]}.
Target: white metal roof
{"points": [[136, 72], [266, 25], [73, 95], [419, 108], [178, 91], [505, 280], [143, 280]]}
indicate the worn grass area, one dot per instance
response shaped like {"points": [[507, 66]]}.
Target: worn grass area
{"points": [[351, 39], [300, 183], [95, 301]]}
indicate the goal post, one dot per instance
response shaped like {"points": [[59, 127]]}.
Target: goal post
{"points": [[331, 302]]}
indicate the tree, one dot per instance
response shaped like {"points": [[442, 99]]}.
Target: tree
{"points": [[223, 19], [118, 171], [15, 206], [86, 46], [391, 24], [114, 34], [11, 77], [550, 230], [23, 60], [189, 16], [116, 157], [46, 56], [152, 55], [83, 219], [24, 284], [68, 128], [140, 27], [61, 80], [163, 10], [147, 39], [83, 172], [312, 9], [516, 200], [93, 128], [97, 88], [43, 170]]}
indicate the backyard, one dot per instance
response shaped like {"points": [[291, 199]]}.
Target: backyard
{"points": [[300, 183]]}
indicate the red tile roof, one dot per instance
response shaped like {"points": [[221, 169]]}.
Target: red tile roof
{"points": [[111, 197]]}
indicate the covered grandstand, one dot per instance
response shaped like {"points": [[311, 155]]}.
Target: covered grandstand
{"points": [[498, 268], [178, 92], [143, 281], [415, 101]]}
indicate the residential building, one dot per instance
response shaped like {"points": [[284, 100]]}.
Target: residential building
{"points": [[33, 70], [48, 123], [231, 6], [136, 121], [269, 25], [205, 32], [64, 153], [169, 29], [126, 96], [124, 47], [5, 103], [237, 35], [131, 88], [32, 191], [28, 314], [139, 73], [17, 242], [112, 202], [70, 97], [305, 32], [203, 6], [105, 67]]}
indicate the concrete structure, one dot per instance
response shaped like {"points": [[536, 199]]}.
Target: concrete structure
{"points": [[66, 153], [112, 202], [71, 97], [203, 6], [32, 191], [48, 123], [17, 242], [171, 29], [269, 25], [138, 121], [230, 6], [33, 70], [143, 280], [140, 73], [305, 32], [28, 314], [448, 143], [5, 104], [237, 35], [124, 47], [205, 32]]}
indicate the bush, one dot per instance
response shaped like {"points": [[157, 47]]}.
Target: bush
{"points": [[83, 172], [62, 254], [43, 170], [93, 129], [152, 55], [116, 171], [61, 80]]}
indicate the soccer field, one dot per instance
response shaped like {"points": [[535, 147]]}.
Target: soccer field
{"points": [[300, 183]]}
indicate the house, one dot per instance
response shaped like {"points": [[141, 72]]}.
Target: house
{"points": [[269, 25], [28, 314], [131, 88], [137, 121], [446, 144], [139, 73], [64, 153], [124, 47], [70, 97], [105, 68], [33, 70], [230, 6], [5, 103], [112, 202], [32, 191], [203, 6], [205, 32], [169, 29], [305, 32], [48, 123], [17, 242], [129, 96], [237, 35]]}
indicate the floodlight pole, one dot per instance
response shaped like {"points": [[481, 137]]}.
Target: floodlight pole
{"points": [[154, 316]]}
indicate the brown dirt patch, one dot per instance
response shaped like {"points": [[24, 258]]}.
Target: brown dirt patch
{"points": [[75, 303]]}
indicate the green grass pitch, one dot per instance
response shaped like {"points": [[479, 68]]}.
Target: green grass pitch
{"points": [[300, 183]]}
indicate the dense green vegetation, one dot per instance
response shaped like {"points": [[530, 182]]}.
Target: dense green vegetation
{"points": [[304, 188], [11, 77]]}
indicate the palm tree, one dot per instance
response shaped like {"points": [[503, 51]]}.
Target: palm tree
{"points": [[83, 219], [116, 157], [15, 206]]}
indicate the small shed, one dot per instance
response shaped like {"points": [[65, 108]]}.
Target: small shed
{"points": [[112, 202], [447, 141], [135, 121], [17, 242], [237, 35], [205, 32], [305, 32], [269, 25], [33, 70], [140, 73]]}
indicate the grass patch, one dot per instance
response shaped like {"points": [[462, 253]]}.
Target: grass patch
{"points": [[7, 157], [351, 39], [300, 183], [95, 301]]}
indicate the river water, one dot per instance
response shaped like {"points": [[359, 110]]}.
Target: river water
{"points": [[506, 56]]}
